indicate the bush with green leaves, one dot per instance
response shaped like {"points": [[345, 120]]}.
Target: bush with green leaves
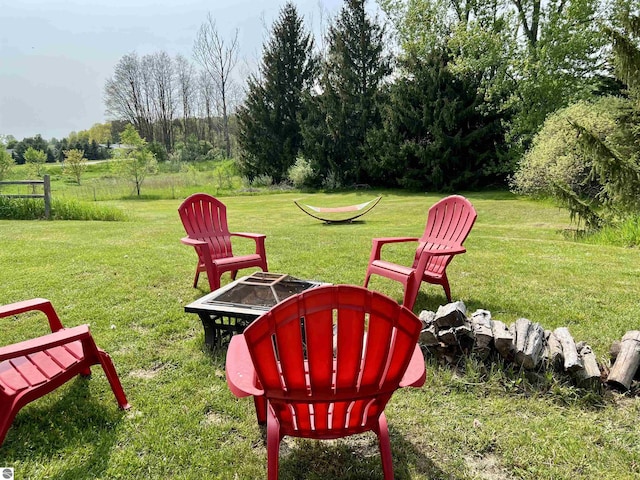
{"points": [[74, 164], [224, 172], [301, 173], [35, 159], [261, 181], [558, 163], [135, 160]]}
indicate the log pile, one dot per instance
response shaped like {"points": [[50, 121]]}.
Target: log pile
{"points": [[449, 333]]}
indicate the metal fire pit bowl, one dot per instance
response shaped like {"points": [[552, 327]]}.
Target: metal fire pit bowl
{"points": [[232, 308]]}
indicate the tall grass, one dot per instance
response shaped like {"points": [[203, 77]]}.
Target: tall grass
{"points": [[623, 234], [66, 209]]}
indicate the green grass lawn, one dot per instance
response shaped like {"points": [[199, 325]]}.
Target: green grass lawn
{"points": [[130, 281]]}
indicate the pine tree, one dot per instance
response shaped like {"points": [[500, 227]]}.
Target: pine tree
{"points": [[437, 136], [269, 131], [348, 110]]}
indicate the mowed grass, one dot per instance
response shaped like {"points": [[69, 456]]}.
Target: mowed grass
{"points": [[476, 420]]}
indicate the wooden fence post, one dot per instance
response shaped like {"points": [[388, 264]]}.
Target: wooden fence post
{"points": [[47, 197]]}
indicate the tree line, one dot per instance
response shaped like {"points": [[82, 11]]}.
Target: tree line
{"points": [[469, 84], [443, 95]]}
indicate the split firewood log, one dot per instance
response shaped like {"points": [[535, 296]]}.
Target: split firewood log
{"points": [[627, 361], [589, 376], [502, 338], [451, 315], [528, 343], [483, 333], [569, 351], [553, 351]]}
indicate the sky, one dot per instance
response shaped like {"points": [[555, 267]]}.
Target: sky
{"points": [[56, 55]]}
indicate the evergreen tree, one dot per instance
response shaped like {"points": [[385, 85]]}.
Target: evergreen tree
{"points": [[269, 131], [37, 143], [614, 160], [437, 134], [348, 110]]}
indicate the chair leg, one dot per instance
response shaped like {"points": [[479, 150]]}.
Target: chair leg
{"points": [[366, 279], [411, 289], [6, 420], [273, 446], [445, 285], [114, 380], [195, 280], [261, 409], [234, 274], [385, 447], [214, 281]]}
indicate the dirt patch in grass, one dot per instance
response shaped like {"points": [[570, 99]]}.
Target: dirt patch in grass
{"points": [[149, 373], [486, 467]]}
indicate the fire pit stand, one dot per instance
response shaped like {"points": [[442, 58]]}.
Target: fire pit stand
{"points": [[232, 308]]}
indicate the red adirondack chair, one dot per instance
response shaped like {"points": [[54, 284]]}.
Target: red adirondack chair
{"points": [[33, 368], [324, 363], [448, 224], [205, 221]]}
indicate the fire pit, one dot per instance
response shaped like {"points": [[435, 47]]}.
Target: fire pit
{"points": [[232, 308]]}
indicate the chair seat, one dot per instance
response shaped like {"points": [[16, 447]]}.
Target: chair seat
{"points": [[238, 261], [392, 267], [31, 371]]}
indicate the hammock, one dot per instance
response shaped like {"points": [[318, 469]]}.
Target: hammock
{"points": [[353, 211]]}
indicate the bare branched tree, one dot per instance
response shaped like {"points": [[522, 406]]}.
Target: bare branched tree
{"points": [[218, 58], [187, 87], [163, 99], [125, 95], [206, 94]]}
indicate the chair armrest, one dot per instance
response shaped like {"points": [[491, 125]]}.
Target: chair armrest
{"points": [[378, 243], [202, 249], [383, 240], [241, 373], [35, 304], [259, 238], [38, 344], [444, 251], [416, 372], [193, 242], [248, 235]]}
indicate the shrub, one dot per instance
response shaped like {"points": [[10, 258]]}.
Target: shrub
{"points": [[556, 156], [262, 181], [332, 181], [301, 173], [558, 166]]}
